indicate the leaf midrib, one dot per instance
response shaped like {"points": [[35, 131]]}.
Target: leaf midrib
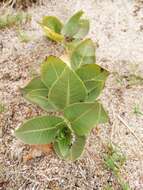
{"points": [[92, 89], [54, 69], [81, 115], [68, 92], [41, 130]]}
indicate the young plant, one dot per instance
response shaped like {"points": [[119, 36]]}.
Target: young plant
{"points": [[13, 19], [75, 28], [2, 108], [23, 36], [70, 91], [137, 110], [114, 161]]}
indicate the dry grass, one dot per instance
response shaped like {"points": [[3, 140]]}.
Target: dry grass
{"points": [[23, 4], [13, 19]]}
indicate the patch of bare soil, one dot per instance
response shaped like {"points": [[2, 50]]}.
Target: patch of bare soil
{"points": [[116, 26]]}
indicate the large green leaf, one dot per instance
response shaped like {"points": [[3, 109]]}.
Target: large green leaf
{"points": [[85, 116], [73, 151], [52, 28], [53, 23], [94, 78], [67, 89], [84, 53], [51, 69], [40, 130], [34, 84], [73, 25], [83, 29], [36, 92]]}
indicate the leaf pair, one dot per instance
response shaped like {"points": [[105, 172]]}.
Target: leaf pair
{"points": [[58, 87], [75, 28], [83, 60], [51, 129], [65, 86], [68, 137]]}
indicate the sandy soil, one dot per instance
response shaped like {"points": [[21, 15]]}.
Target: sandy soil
{"points": [[117, 28]]}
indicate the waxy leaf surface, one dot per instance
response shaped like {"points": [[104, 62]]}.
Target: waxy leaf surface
{"points": [[74, 151], [83, 29], [40, 98], [36, 92], [94, 89], [67, 89], [85, 116], [39, 130], [51, 70], [52, 28], [83, 54], [34, 84], [73, 25], [94, 78], [53, 23]]}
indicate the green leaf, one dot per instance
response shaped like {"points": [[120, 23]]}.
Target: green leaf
{"points": [[84, 53], [73, 25], [64, 141], [83, 29], [64, 146], [36, 92], [125, 185], [85, 116], [39, 97], [2, 108], [67, 89], [52, 28], [94, 89], [92, 72], [52, 35], [77, 148], [34, 84], [94, 78], [53, 23], [39, 130], [51, 70], [74, 151]]}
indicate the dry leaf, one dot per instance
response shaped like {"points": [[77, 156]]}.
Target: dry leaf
{"points": [[45, 148], [37, 150]]}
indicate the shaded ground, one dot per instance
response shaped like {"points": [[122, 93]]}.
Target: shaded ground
{"points": [[117, 28]]}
